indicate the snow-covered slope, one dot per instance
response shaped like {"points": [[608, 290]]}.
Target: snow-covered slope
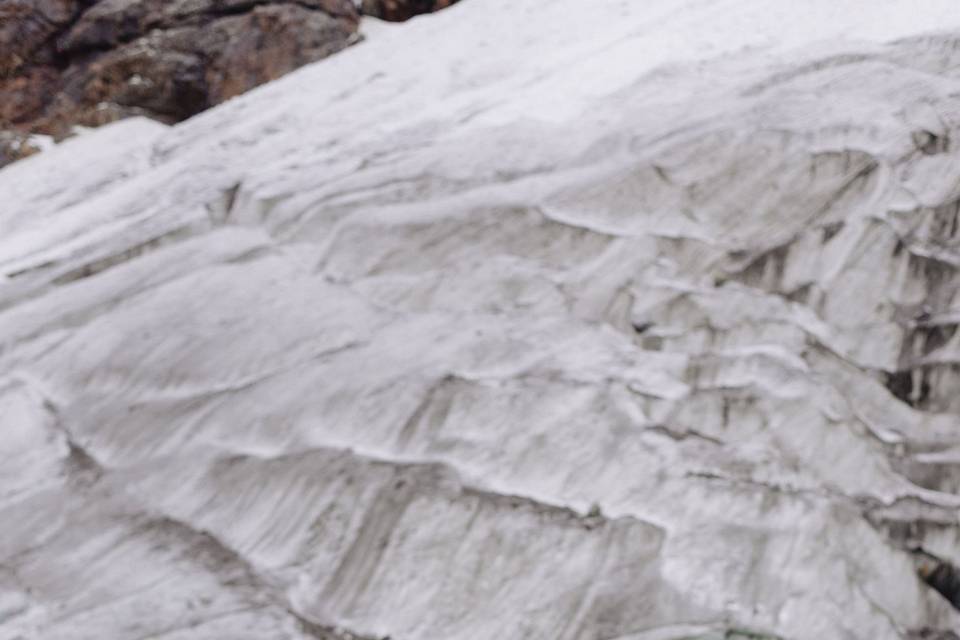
{"points": [[548, 319]]}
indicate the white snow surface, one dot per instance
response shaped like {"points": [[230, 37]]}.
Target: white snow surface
{"points": [[547, 319]]}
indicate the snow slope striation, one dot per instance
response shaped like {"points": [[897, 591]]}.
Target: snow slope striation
{"points": [[548, 320]]}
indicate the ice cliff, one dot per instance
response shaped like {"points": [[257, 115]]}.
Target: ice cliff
{"points": [[545, 319]]}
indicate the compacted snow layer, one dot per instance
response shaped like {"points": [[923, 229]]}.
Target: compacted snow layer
{"points": [[522, 320]]}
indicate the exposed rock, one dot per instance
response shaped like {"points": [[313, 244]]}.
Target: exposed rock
{"points": [[932, 634], [400, 10], [26, 95], [15, 146], [28, 29], [943, 577], [90, 63]]}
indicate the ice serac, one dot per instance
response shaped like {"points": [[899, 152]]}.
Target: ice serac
{"points": [[637, 323]]}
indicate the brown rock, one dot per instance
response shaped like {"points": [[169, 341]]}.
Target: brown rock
{"points": [[93, 62], [113, 22], [400, 10], [25, 95], [110, 23], [151, 73], [27, 28], [267, 43], [15, 146], [89, 62]]}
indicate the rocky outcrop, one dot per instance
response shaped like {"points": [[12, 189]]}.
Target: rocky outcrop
{"points": [[15, 146], [400, 10], [89, 62]]}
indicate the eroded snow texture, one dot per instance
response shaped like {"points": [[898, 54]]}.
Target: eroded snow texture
{"points": [[541, 319]]}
